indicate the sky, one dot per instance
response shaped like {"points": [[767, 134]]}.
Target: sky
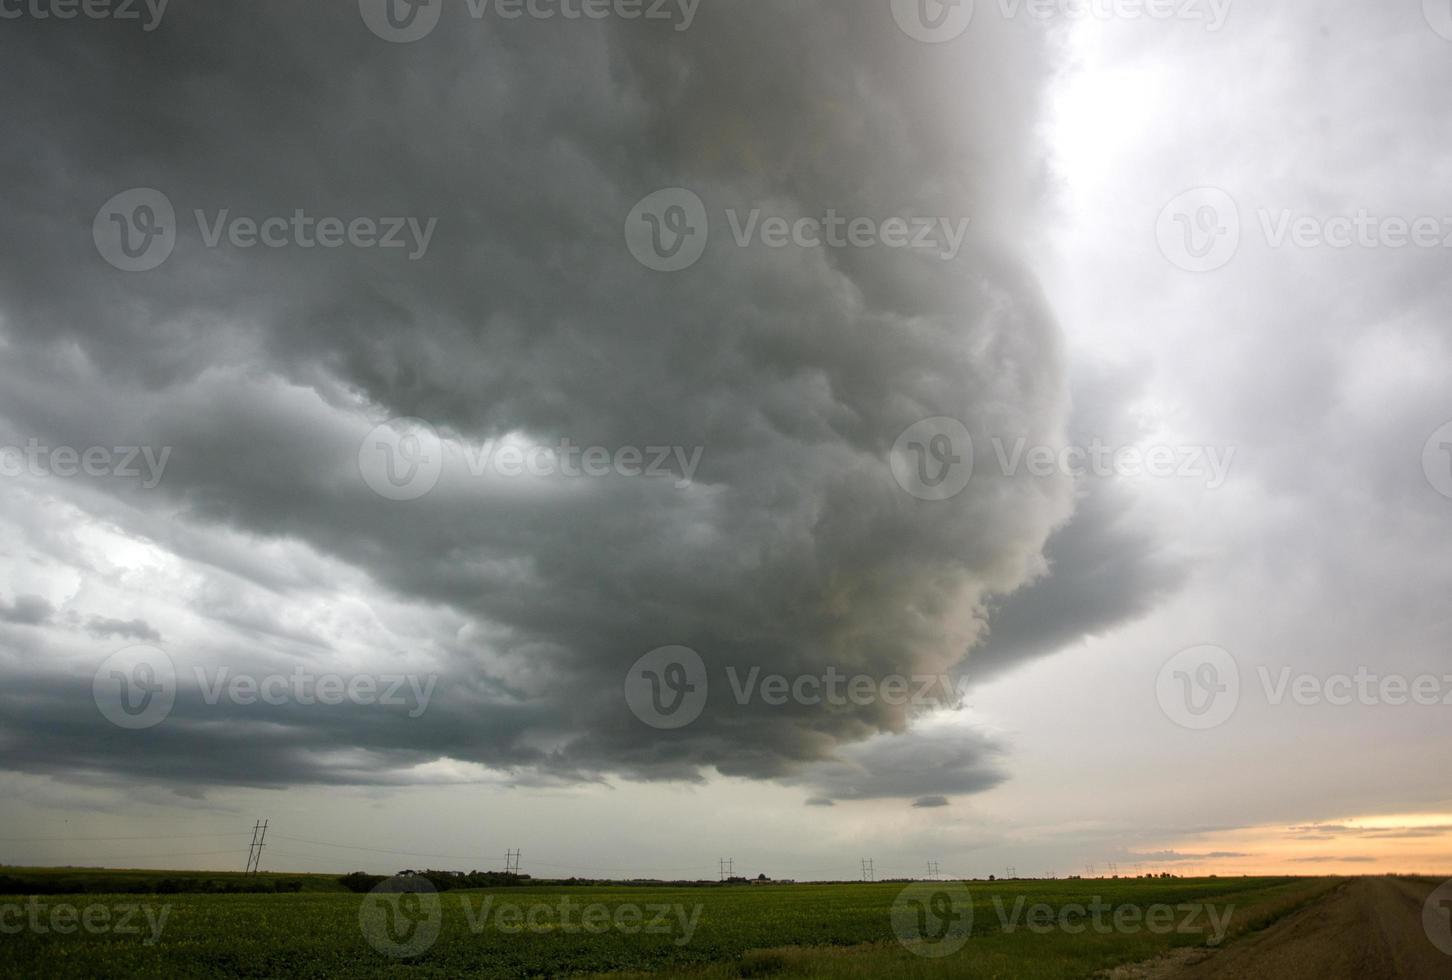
{"points": [[1015, 436]]}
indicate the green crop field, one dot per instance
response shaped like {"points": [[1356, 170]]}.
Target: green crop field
{"points": [[1019, 929]]}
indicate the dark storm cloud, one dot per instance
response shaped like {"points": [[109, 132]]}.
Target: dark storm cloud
{"points": [[26, 610], [134, 629], [916, 766], [794, 371], [1108, 564]]}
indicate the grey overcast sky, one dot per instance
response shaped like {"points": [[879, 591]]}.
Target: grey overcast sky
{"points": [[998, 434]]}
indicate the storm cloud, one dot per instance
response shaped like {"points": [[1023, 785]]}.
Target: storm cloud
{"points": [[786, 374]]}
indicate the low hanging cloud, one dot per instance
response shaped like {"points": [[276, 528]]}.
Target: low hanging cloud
{"points": [[786, 374]]}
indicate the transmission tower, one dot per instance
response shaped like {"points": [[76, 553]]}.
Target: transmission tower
{"points": [[867, 873], [932, 870], [254, 852], [728, 868], [511, 862], [1012, 872]]}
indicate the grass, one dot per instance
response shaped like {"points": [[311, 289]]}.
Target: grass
{"points": [[828, 931]]}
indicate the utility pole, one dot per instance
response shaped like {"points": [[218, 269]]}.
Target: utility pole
{"points": [[728, 868], [1012, 872], [511, 862], [254, 852], [932, 870], [867, 873]]}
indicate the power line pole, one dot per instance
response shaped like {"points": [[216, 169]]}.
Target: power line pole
{"points": [[932, 870], [254, 851], [511, 862], [1012, 872], [867, 873], [728, 868]]}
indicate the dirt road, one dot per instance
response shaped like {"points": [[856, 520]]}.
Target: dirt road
{"points": [[1368, 929]]}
